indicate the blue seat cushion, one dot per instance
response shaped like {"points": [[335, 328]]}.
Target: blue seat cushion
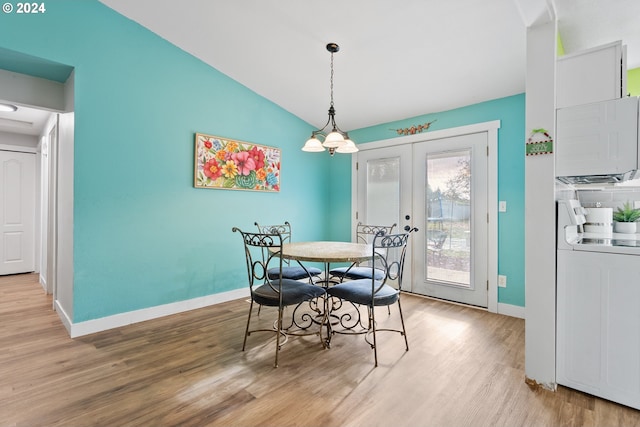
{"points": [[356, 273], [293, 272], [359, 292], [293, 292]]}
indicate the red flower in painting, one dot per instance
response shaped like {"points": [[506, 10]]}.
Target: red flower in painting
{"points": [[244, 162], [258, 157], [212, 169], [208, 144]]}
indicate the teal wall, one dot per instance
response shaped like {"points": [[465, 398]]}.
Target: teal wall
{"points": [[511, 113], [143, 236]]}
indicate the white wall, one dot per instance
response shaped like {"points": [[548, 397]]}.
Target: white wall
{"points": [[64, 216], [62, 235], [540, 248], [18, 142], [32, 91]]}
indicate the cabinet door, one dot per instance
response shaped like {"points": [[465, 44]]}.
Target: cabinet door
{"points": [[597, 139], [592, 75], [578, 344], [598, 325]]}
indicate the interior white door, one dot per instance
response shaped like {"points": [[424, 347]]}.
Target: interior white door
{"points": [[451, 210], [17, 212]]}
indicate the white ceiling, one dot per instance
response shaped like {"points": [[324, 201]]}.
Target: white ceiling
{"points": [[397, 59]]}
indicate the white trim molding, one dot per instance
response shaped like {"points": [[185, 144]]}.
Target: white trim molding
{"points": [[18, 148], [429, 136], [511, 310], [123, 319]]}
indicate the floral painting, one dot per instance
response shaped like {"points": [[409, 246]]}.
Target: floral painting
{"points": [[235, 165]]}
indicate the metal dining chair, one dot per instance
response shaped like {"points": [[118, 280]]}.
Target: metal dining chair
{"points": [[294, 272], [388, 254], [364, 234], [262, 254]]}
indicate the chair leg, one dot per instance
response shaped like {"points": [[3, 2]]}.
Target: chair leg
{"points": [[246, 331], [278, 333], [372, 324], [404, 331]]}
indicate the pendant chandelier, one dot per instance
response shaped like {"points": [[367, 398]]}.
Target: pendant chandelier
{"points": [[336, 140]]}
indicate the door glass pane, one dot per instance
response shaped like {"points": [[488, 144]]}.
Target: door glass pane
{"points": [[448, 224], [383, 191]]}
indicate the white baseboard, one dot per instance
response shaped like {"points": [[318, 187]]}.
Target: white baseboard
{"points": [[64, 317], [122, 319], [511, 310]]}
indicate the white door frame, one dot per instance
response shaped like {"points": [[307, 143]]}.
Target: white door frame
{"points": [[52, 213], [492, 196]]}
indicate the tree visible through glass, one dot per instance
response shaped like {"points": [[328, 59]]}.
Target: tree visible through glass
{"points": [[448, 222]]}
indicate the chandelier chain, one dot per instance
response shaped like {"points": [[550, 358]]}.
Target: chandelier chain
{"points": [[331, 79]]}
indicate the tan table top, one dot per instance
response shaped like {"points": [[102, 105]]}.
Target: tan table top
{"points": [[327, 251]]}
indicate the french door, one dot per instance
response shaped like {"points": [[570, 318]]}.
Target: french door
{"points": [[439, 186], [450, 203], [384, 182]]}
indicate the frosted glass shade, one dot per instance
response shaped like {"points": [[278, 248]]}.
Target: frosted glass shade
{"points": [[333, 140], [348, 147], [313, 145]]}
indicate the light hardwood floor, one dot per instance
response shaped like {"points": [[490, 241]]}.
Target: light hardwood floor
{"points": [[465, 367]]}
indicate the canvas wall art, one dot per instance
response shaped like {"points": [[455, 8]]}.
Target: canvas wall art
{"points": [[235, 165]]}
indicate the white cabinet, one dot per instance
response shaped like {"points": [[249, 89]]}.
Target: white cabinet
{"points": [[592, 75], [598, 324], [597, 139]]}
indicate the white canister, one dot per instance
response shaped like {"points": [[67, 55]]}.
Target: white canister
{"points": [[599, 220]]}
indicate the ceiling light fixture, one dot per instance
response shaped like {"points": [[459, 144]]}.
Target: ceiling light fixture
{"points": [[336, 140], [8, 108]]}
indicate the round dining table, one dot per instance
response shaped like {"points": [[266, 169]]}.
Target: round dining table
{"points": [[326, 252]]}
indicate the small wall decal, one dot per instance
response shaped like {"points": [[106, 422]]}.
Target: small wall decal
{"points": [[413, 129]]}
